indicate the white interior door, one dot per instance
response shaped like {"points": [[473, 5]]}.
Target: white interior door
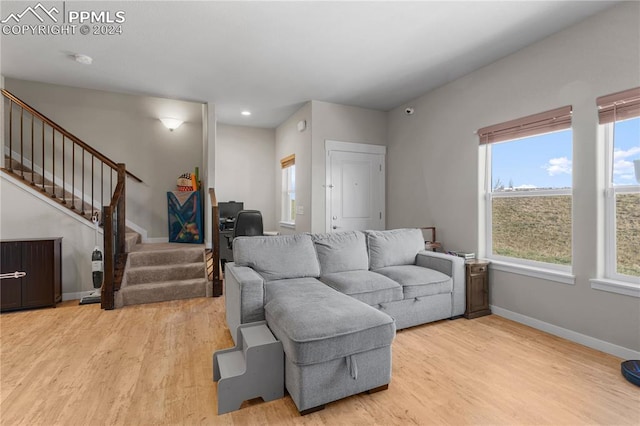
{"points": [[356, 191]]}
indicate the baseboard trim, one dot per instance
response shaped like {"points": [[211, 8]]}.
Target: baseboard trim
{"points": [[75, 295], [574, 336], [138, 229]]}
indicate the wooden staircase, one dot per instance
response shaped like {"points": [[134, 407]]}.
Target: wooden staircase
{"points": [[41, 154]]}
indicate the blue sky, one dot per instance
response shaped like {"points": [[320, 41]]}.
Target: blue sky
{"points": [[545, 161]]}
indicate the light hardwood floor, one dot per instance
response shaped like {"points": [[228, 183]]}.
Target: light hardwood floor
{"points": [[151, 364]]}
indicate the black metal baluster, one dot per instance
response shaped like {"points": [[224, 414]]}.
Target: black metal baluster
{"points": [[33, 156], [53, 162], [11, 135], [64, 160], [82, 205], [43, 156], [22, 142]]}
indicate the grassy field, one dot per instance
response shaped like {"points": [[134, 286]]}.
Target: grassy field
{"points": [[539, 228]]}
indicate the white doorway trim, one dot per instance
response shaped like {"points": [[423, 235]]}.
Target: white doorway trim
{"points": [[331, 145], [363, 148]]}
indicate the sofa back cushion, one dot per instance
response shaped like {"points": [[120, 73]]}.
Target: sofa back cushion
{"points": [[277, 257], [341, 251], [394, 247]]}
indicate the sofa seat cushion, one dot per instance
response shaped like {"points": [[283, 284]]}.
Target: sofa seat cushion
{"points": [[417, 281], [277, 257], [341, 251], [316, 323], [274, 289], [366, 286]]}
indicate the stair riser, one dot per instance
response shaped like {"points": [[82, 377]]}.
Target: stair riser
{"points": [[136, 295], [178, 272], [165, 257]]}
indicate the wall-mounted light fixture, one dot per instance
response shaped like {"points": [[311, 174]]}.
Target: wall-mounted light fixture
{"points": [[171, 123]]}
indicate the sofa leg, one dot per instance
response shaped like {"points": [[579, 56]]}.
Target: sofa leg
{"points": [[311, 410], [378, 389]]}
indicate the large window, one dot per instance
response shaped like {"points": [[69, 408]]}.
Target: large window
{"points": [[620, 119], [528, 183], [288, 215]]}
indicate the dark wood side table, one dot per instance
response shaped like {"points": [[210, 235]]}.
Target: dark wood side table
{"points": [[477, 280]]}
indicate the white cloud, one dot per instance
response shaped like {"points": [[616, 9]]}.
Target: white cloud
{"points": [[621, 166], [556, 166], [620, 154]]}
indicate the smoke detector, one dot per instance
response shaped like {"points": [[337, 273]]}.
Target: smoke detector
{"points": [[83, 59]]}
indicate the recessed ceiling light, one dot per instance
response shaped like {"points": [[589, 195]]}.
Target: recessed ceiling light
{"points": [[83, 59], [247, 113]]}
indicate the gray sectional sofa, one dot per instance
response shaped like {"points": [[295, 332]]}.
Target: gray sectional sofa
{"points": [[335, 301]]}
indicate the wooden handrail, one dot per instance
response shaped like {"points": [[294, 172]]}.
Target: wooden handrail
{"points": [[215, 243], [65, 133]]}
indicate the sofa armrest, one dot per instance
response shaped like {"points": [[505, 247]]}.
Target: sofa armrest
{"points": [[244, 296], [452, 266]]}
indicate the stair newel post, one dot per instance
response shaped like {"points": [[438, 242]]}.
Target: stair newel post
{"points": [[122, 180], [106, 297], [82, 184], [215, 243]]}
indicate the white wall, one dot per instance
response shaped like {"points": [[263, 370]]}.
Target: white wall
{"points": [[24, 215], [126, 129], [290, 141], [244, 169], [342, 123], [432, 162]]}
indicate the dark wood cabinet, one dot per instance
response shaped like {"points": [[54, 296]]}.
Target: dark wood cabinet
{"points": [[41, 259], [477, 280]]}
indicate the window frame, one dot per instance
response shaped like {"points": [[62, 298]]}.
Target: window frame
{"points": [[536, 267], [551, 121], [610, 193]]}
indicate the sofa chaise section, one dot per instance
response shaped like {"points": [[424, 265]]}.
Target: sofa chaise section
{"points": [[334, 345]]}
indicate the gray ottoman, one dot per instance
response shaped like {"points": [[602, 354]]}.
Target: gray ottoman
{"points": [[335, 345]]}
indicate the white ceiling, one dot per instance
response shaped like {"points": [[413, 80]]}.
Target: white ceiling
{"points": [[270, 57]]}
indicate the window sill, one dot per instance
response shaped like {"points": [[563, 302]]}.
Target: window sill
{"points": [[290, 225], [533, 271], [614, 286]]}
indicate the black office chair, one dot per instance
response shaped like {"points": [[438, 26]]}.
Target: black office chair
{"points": [[248, 223]]}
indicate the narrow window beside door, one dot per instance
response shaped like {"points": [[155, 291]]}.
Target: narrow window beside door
{"points": [[288, 215]]}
